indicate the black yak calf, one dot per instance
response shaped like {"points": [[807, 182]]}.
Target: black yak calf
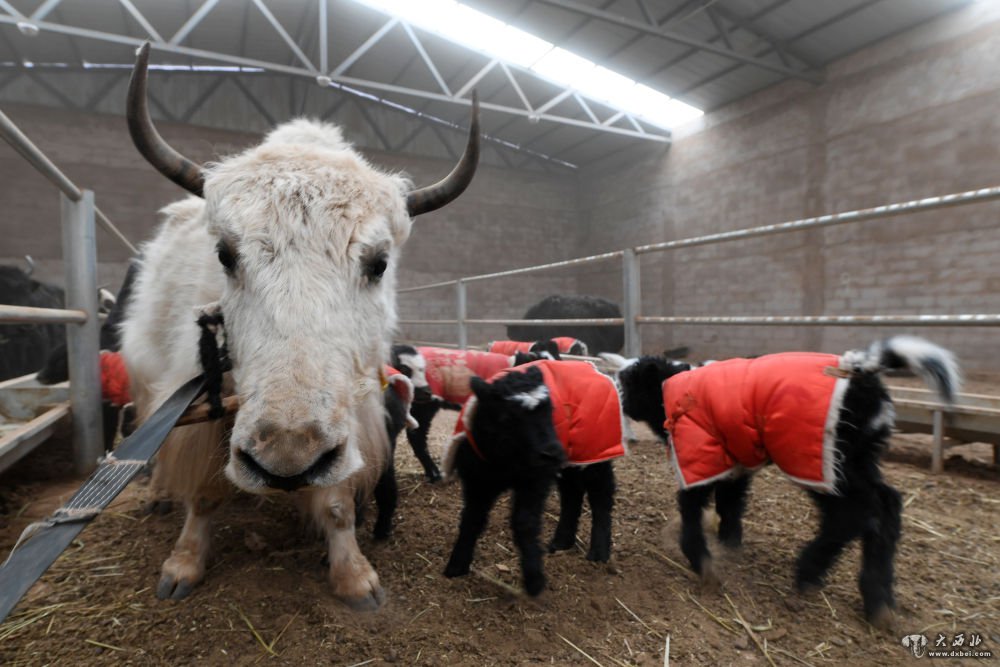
{"points": [[509, 437], [823, 419]]}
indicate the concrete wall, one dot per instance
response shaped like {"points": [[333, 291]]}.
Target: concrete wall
{"points": [[911, 117], [506, 218]]}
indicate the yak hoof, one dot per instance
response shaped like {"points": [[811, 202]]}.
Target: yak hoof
{"points": [[159, 506], [370, 602], [170, 588], [179, 576], [883, 618]]}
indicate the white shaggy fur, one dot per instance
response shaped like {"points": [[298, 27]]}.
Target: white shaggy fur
{"points": [[308, 330]]}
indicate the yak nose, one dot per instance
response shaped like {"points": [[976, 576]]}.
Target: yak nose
{"points": [[289, 458]]}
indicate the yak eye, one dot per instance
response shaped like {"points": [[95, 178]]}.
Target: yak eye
{"points": [[375, 267], [226, 257]]}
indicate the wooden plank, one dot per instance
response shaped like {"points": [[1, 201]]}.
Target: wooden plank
{"points": [[14, 445]]}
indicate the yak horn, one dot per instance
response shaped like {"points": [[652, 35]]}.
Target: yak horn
{"points": [[451, 186], [170, 163]]}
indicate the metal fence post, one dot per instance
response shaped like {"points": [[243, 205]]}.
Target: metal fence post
{"points": [[83, 340], [460, 315], [631, 289]]}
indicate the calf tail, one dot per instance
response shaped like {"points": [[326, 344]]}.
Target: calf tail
{"points": [[934, 364]]}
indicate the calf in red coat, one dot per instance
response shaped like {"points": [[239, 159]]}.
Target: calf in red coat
{"points": [[517, 431], [440, 378], [824, 420]]}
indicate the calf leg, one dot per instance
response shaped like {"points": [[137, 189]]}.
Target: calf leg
{"points": [[570, 503], [878, 548], [692, 502], [386, 499], [418, 442], [479, 498], [185, 568], [526, 524], [730, 504], [600, 481], [841, 520]]}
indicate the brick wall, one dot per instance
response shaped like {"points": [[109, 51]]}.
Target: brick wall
{"points": [[912, 117]]}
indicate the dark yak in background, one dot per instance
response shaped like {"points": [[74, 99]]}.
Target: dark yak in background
{"points": [[25, 347], [573, 306]]}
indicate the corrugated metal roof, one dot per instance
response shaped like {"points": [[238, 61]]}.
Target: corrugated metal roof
{"points": [[707, 53]]}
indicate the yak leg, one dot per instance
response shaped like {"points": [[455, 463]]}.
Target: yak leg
{"points": [[353, 579], [185, 568]]}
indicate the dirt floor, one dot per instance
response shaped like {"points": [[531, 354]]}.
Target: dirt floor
{"points": [[265, 599]]}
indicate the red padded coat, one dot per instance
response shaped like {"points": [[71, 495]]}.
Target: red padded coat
{"points": [[745, 413], [448, 371], [114, 379], [510, 347], [586, 412], [564, 343]]}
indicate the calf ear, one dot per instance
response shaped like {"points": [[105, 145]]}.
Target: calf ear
{"points": [[616, 361], [535, 373], [479, 386]]}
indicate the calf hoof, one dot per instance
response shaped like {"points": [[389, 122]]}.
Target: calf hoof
{"points": [[178, 578], [808, 587], [534, 584], [382, 533], [370, 602], [709, 579], [454, 570], [599, 555], [433, 475], [883, 618], [561, 544], [731, 540]]}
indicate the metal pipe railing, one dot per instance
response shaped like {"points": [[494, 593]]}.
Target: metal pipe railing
{"points": [[969, 320], [859, 215], [599, 321], [29, 315], [528, 269], [632, 279], [12, 134]]}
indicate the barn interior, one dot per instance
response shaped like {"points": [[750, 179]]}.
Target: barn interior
{"points": [[782, 111]]}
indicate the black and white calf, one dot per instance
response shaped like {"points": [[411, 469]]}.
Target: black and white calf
{"points": [[441, 380], [823, 420], [398, 397], [509, 437]]}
